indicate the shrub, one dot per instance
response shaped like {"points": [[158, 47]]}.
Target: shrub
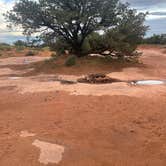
{"points": [[86, 48], [5, 47], [53, 54], [30, 53], [156, 39], [60, 46], [122, 42], [20, 43], [45, 48], [71, 61], [19, 48], [96, 42]]}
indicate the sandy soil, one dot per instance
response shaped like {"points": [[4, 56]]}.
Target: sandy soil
{"points": [[83, 125]]}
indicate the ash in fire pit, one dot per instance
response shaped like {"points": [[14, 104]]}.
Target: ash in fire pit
{"points": [[97, 79]]}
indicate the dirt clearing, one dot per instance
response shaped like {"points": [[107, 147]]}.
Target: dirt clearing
{"points": [[45, 122]]}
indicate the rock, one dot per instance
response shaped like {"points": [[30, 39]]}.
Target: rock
{"points": [[67, 52], [106, 52], [96, 55]]}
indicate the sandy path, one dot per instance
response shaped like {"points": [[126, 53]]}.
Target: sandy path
{"points": [[83, 125]]}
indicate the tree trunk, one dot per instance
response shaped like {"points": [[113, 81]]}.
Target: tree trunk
{"points": [[77, 48]]}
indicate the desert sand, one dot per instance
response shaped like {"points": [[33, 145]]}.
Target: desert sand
{"points": [[116, 124]]}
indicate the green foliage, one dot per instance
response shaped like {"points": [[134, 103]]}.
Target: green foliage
{"points": [[122, 39], [71, 61], [115, 41], [72, 21], [45, 48], [86, 48], [156, 39], [96, 42], [71, 24], [20, 43], [128, 34], [5, 47], [60, 46]]}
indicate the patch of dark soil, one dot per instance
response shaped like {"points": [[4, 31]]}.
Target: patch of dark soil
{"points": [[68, 82], [8, 88]]}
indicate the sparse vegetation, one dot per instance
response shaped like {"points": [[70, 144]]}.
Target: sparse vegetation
{"points": [[60, 46], [53, 55], [30, 53], [156, 39], [19, 49], [5, 47], [70, 61], [20, 43]]}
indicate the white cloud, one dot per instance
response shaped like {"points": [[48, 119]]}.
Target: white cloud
{"points": [[4, 30], [4, 7], [151, 6], [154, 17]]}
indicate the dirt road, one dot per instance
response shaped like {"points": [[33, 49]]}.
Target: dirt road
{"points": [[43, 122]]}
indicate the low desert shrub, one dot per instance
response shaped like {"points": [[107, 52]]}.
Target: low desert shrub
{"points": [[71, 61], [86, 48], [60, 46], [20, 43], [19, 48], [30, 53], [5, 47], [96, 42], [155, 39], [53, 55]]}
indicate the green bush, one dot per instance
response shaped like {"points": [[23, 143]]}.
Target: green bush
{"points": [[125, 37], [20, 43], [86, 48], [155, 39], [60, 46], [71, 61], [5, 47], [121, 40], [96, 42]]}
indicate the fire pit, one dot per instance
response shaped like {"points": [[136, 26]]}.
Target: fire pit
{"points": [[97, 79]]}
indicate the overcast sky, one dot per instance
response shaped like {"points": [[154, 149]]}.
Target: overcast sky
{"points": [[156, 19]]}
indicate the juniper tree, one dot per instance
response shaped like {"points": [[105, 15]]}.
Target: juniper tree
{"points": [[71, 20]]}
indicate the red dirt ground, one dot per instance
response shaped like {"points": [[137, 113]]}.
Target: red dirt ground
{"points": [[98, 128]]}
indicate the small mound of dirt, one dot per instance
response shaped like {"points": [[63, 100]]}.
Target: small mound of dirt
{"points": [[97, 79]]}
